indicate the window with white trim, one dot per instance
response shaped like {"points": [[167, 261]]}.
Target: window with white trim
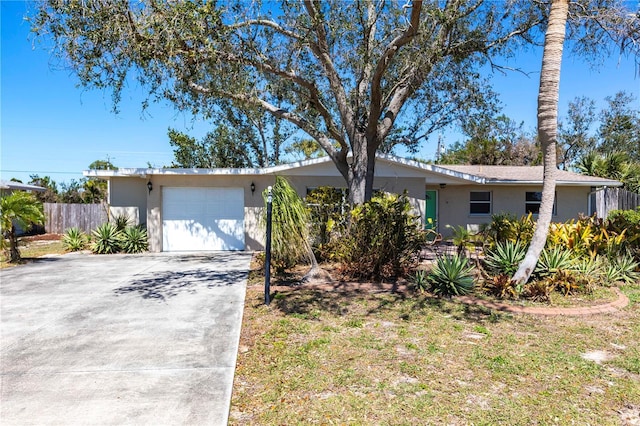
{"points": [[480, 202], [533, 200]]}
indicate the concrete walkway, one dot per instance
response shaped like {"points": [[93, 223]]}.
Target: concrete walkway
{"points": [[121, 339]]}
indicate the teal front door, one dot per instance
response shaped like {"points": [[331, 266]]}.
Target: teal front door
{"points": [[430, 209]]}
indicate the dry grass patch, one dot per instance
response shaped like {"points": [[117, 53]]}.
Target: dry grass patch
{"points": [[34, 247], [319, 355]]}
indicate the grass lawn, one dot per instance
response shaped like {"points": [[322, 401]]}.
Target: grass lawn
{"points": [[320, 356], [35, 246]]}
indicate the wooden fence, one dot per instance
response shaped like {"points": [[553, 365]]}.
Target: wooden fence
{"points": [[609, 199], [60, 217]]}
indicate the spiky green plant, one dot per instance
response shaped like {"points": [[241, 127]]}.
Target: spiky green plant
{"points": [[505, 257], [451, 276], [623, 269], [462, 238], [74, 239], [121, 221], [419, 280], [134, 240], [553, 260], [106, 239], [22, 209], [290, 243]]}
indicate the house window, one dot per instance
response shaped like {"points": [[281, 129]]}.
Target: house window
{"points": [[480, 202], [532, 203]]}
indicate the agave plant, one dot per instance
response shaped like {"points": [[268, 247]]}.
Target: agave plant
{"points": [[505, 257], [74, 239], [106, 239], [553, 261], [451, 276], [134, 240], [419, 280], [623, 268]]}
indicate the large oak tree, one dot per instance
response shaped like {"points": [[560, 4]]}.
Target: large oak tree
{"points": [[354, 76]]}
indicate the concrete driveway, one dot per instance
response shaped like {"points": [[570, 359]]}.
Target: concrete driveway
{"points": [[121, 339]]}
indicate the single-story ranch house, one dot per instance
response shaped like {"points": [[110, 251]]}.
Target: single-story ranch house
{"points": [[218, 209]]}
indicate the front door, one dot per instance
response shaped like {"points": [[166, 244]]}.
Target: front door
{"points": [[431, 209]]}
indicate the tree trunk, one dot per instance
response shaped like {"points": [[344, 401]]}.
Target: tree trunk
{"points": [[361, 170], [14, 253], [547, 132]]}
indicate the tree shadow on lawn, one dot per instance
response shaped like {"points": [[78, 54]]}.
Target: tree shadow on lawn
{"points": [[163, 285], [309, 300]]}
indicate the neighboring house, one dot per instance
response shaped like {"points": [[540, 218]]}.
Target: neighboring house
{"points": [[7, 187], [219, 209]]}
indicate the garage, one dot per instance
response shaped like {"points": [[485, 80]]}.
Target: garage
{"points": [[202, 219]]}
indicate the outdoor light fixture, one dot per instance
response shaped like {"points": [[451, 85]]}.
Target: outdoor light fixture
{"points": [[149, 186], [253, 187], [443, 185]]}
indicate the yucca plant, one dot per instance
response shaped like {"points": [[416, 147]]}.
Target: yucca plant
{"points": [[134, 240], [121, 222], [623, 268], [106, 239], [451, 276], [505, 257], [74, 239], [553, 261], [419, 280]]}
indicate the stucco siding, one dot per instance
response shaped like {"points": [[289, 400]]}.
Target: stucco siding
{"points": [[454, 204], [129, 192]]}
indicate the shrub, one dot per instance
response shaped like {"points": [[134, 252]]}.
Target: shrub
{"points": [[505, 258], [501, 287], [506, 227], [74, 239], [628, 222], [451, 276], [134, 240], [290, 227], [383, 239], [463, 239], [539, 290], [327, 207], [106, 239]]}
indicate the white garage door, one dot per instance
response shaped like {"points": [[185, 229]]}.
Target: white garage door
{"points": [[202, 219]]}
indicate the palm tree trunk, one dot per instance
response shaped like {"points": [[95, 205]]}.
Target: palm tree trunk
{"points": [[14, 253], [547, 131]]}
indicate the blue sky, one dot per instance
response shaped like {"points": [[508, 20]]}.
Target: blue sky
{"points": [[51, 127]]}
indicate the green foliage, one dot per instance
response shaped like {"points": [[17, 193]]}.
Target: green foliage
{"points": [[74, 239], [451, 276], [419, 280], [327, 207], [107, 239], [121, 222], [622, 269], [506, 227], [505, 257], [463, 238], [134, 240], [554, 260], [22, 209], [626, 222], [383, 239], [290, 226]]}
